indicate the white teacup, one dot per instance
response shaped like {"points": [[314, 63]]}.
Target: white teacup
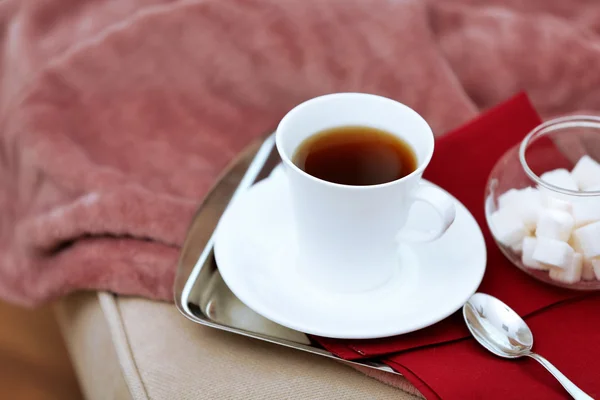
{"points": [[348, 236]]}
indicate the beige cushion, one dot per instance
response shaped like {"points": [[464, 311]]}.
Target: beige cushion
{"points": [[125, 348]]}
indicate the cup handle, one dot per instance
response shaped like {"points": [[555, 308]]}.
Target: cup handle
{"points": [[443, 205]]}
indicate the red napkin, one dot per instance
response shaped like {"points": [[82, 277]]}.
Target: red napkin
{"points": [[442, 361]]}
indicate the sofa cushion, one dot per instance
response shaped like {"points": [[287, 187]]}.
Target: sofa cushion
{"points": [[129, 348]]}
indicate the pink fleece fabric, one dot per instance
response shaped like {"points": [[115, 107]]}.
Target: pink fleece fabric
{"points": [[118, 115]]}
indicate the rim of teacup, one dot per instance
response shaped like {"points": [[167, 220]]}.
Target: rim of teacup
{"points": [[556, 124], [286, 159]]}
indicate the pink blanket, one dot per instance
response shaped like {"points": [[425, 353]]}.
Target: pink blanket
{"points": [[118, 115]]}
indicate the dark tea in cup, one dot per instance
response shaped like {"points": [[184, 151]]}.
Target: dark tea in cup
{"points": [[355, 155]]}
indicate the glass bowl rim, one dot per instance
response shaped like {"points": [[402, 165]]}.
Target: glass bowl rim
{"points": [[556, 124]]}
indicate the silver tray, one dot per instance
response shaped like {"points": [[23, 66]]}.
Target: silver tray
{"points": [[200, 293]]}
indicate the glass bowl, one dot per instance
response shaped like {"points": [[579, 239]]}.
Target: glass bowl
{"points": [[544, 220]]}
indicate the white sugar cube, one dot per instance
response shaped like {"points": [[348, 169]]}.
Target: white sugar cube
{"points": [[574, 243], [507, 227], [529, 207], [586, 211], [508, 198], [587, 238], [555, 253], [517, 247], [528, 245], [555, 203], [570, 274], [524, 203], [586, 173], [560, 178], [555, 224], [596, 268], [587, 270]]}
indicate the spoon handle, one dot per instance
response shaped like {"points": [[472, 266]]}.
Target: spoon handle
{"points": [[569, 386]]}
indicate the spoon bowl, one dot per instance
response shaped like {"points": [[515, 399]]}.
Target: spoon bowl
{"points": [[497, 327], [503, 332]]}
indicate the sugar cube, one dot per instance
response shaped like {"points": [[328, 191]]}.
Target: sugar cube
{"points": [[587, 238], [570, 274], [560, 178], [586, 211], [517, 247], [555, 224], [528, 245], [586, 173], [574, 243], [553, 252], [524, 203], [587, 270], [596, 268], [508, 228], [508, 198], [555, 203]]}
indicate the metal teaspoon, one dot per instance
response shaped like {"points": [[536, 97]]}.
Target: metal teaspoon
{"points": [[503, 332]]}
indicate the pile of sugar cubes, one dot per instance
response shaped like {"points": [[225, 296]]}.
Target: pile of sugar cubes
{"points": [[560, 235]]}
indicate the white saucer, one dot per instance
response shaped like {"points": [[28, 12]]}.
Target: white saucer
{"points": [[255, 247]]}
